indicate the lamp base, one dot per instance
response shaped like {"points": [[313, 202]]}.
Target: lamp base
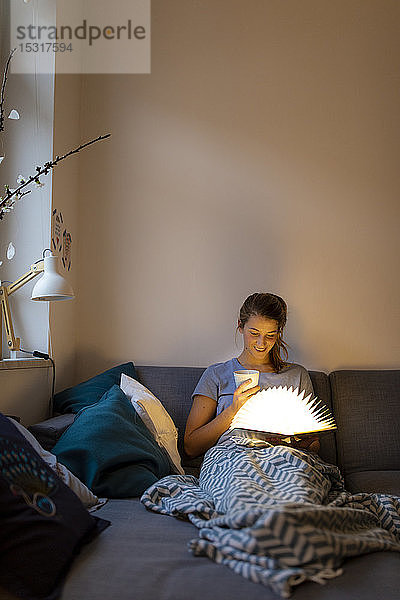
{"points": [[15, 355]]}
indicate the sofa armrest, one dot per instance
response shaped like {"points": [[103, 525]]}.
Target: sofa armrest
{"points": [[48, 432]]}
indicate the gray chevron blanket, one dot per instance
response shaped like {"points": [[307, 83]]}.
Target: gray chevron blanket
{"points": [[276, 515]]}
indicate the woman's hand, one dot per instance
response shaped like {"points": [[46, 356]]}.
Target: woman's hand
{"points": [[242, 394], [203, 427], [309, 443]]}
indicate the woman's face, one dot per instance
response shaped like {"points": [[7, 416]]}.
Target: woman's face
{"points": [[259, 337]]}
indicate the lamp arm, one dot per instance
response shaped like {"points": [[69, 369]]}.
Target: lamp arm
{"points": [[34, 270], [13, 343]]}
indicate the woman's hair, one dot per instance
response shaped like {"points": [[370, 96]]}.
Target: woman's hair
{"points": [[268, 306]]}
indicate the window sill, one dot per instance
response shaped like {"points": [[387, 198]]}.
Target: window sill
{"points": [[8, 364]]}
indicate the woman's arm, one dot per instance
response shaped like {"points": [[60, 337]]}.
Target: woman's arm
{"points": [[203, 428]]}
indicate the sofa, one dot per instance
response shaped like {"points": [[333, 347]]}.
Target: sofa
{"points": [[144, 555]]}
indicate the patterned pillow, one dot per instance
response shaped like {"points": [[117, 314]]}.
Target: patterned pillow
{"points": [[41, 520]]}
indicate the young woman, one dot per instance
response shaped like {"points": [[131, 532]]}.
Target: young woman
{"points": [[262, 319], [276, 515]]}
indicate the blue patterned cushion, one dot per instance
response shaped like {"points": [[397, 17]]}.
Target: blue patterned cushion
{"points": [[43, 523]]}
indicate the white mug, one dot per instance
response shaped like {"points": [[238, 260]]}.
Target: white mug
{"points": [[245, 374]]}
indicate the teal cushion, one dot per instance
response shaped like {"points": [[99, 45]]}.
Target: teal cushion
{"points": [[88, 392], [111, 450]]}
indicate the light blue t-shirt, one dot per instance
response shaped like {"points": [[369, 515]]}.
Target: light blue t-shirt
{"points": [[217, 381]]}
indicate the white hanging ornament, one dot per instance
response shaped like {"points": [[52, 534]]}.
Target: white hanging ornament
{"points": [[1, 159], [10, 251], [14, 114]]}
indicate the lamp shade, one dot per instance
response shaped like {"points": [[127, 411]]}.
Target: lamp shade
{"points": [[52, 286]]}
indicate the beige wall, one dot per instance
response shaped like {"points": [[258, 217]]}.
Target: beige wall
{"points": [[66, 199], [260, 154]]}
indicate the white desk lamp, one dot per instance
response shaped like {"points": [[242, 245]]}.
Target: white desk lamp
{"points": [[50, 287]]}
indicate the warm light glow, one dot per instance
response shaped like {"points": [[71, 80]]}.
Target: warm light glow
{"points": [[285, 411]]}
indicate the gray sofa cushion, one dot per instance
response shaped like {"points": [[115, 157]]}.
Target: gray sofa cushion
{"points": [[50, 431], [367, 411], [384, 482], [146, 558]]}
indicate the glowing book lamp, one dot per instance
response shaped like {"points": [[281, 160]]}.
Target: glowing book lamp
{"points": [[51, 286], [284, 412]]}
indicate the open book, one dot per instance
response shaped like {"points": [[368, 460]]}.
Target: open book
{"points": [[284, 412]]}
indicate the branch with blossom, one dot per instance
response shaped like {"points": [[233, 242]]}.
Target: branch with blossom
{"points": [[11, 196]]}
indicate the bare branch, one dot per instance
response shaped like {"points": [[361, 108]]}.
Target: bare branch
{"points": [[3, 88], [101, 137]]}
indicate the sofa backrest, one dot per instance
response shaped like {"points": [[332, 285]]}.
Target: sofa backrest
{"points": [[366, 405], [322, 389], [174, 386]]}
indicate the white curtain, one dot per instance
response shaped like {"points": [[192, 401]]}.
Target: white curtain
{"points": [[26, 143]]}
